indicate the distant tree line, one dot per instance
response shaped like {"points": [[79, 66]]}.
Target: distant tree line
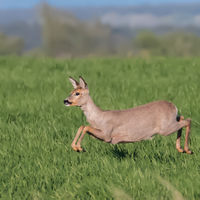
{"points": [[63, 35]]}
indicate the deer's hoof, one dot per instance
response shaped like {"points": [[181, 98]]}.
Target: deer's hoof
{"points": [[79, 148], [180, 150], [74, 147], [188, 151]]}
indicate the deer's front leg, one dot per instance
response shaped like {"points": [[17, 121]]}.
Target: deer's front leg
{"points": [[96, 133], [73, 145]]}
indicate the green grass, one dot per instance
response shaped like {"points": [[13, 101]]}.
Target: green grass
{"points": [[36, 130]]}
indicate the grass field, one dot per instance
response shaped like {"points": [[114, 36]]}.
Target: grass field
{"points": [[36, 130]]}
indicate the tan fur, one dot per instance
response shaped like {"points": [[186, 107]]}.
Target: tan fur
{"points": [[123, 126]]}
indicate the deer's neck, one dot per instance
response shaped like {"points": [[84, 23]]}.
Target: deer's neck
{"points": [[91, 111]]}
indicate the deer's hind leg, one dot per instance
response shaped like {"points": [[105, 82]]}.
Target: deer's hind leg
{"points": [[178, 125], [178, 141], [187, 135]]}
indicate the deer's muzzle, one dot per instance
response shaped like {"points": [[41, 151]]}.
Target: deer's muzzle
{"points": [[67, 103]]}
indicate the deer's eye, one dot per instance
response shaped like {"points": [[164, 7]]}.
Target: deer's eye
{"points": [[77, 93]]}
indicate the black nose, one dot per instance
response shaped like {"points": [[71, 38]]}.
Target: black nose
{"points": [[65, 101]]}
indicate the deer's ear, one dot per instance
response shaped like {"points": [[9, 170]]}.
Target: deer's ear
{"points": [[83, 84], [74, 82]]}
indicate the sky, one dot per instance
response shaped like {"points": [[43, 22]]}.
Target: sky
{"points": [[7, 4]]}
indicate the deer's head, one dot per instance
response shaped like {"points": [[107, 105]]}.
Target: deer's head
{"points": [[79, 95]]}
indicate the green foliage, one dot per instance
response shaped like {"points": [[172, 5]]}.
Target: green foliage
{"points": [[147, 40], [10, 45], [172, 44], [36, 130]]}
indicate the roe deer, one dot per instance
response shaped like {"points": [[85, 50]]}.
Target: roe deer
{"points": [[131, 125]]}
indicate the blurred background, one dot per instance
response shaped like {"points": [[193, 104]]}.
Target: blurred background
{"points": [[67, 29]]}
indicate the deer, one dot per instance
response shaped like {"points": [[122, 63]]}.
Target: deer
{"points": [[126, 126]]}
